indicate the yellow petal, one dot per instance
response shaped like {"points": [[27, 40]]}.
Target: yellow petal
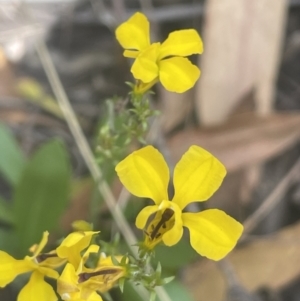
{"points": [[161, 223], [10, 268], [85, 293], [90, 249], [49, 261], [178, 74], [131, 53], [142, 88], [197, 176], [73, 244], [94, 297], [145, 174], [67, 282], [47, 272], [172, 237], [181, 43], [134, 33], [102, 278], [143, 216], [37, 289], [145, 66], [213, 233], [107, 261], [37, 249]]}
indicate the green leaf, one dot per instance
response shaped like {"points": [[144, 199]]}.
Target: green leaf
{"points": [[6, 215], [12, 160], [121, 284], [42, 194], [8, 241], [167, 280], [124, 260], [114, 260], [158, 270]]}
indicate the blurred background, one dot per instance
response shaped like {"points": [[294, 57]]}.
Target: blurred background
{"points": [[244, 110]]}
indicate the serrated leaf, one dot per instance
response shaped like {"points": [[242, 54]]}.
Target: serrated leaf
{"points": [[6, 215], [42, 194], [12, 160]]}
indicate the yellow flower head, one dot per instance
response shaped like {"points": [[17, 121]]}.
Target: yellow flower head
{"points": [[164, 62], [41, 264], [72, 246], [108, 279], [83, 284], [196, 177], [69, 288]]}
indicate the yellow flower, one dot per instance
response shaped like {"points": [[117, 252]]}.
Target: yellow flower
{"points": [[69, 288], [196, 177], [106, 280], [72, 246], [164, 62], [83, 283], [40, 264]]}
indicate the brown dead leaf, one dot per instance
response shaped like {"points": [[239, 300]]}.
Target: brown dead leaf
{"points": [[243, 141], [271, 261]]}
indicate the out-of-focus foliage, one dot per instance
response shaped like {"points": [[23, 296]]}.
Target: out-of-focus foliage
{"points": [[12, 160], [40, 192]]}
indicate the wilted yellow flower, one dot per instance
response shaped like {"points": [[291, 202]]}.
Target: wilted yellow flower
{"points": [[40, 264], [196, 177], [164, 62]]}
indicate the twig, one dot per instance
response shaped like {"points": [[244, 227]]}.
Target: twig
{"points": [[272, 200], [83, 145], [88, 156], [119, 10], [235, 289]]}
